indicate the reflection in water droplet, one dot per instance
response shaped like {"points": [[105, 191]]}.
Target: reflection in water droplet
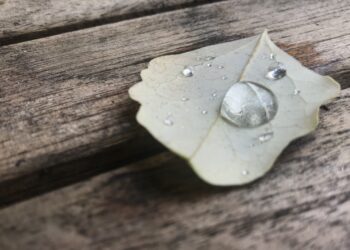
{"points": [[209, 65], [248, 104], [168, 122], [245, 172], [276, 71], [204, 112], [296, 92], [266, 137], [224, 78], [184, 99], [187, 72]]}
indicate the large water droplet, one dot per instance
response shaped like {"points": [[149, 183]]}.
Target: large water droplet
{"points": [[276, 71], [187, 72], [248, 104]]}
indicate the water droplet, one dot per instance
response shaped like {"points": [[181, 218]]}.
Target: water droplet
{"points": [[276, 71], [187, 72], [224, 77], [272, 56], [209, 58], [220, 67], [266, 137], [204, 112], [184, 99], [209, 65], [296, 92], [248, 104], [214, 94], [245, 172], [168, 122]]}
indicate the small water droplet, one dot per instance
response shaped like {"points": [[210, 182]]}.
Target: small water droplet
{"points": [[184, 99], [272, 56], [245, 172], [187, 72], [296, 92], [168, 122], [209, 58], [214, 94], [224, 78], [276, 71], [204, 112], [266, 137], [248, 104], [209, 65], [220, 67]]}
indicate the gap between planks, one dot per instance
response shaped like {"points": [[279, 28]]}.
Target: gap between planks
{"points": [[304, 197], [64, 98]]}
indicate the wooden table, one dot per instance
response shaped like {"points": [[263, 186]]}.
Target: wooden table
{"points": [[78, 172]]}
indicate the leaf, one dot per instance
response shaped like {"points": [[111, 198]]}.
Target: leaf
{"points": [[187, 113]]}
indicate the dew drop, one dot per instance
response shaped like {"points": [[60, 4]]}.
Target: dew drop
{"points": [[168, 122], [276, 71], [224, 77], [272, 56], [266, 137], [209, 65], [296, 92], [248, 104], [220, 67], [214, 94], [204, 112], [209, 58], [245, 172], [187, 72], [184, 99]]}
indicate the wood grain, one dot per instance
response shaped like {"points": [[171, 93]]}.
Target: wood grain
{"points": [[159, 203], [22, 20], [64, 98]]}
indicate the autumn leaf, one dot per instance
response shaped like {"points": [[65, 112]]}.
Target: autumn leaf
{"points": [[230, 109]]}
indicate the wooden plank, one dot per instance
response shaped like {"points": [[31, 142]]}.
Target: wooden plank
{"points": [[22, 20], [64, 98], [159, 203]]}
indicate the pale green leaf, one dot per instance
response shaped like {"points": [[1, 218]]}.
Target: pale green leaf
{"points": [[183, 113]]}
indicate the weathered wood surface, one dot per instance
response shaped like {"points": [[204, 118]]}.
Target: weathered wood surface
{"points": [[159, 203], [64, 98], [22, 20]]}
